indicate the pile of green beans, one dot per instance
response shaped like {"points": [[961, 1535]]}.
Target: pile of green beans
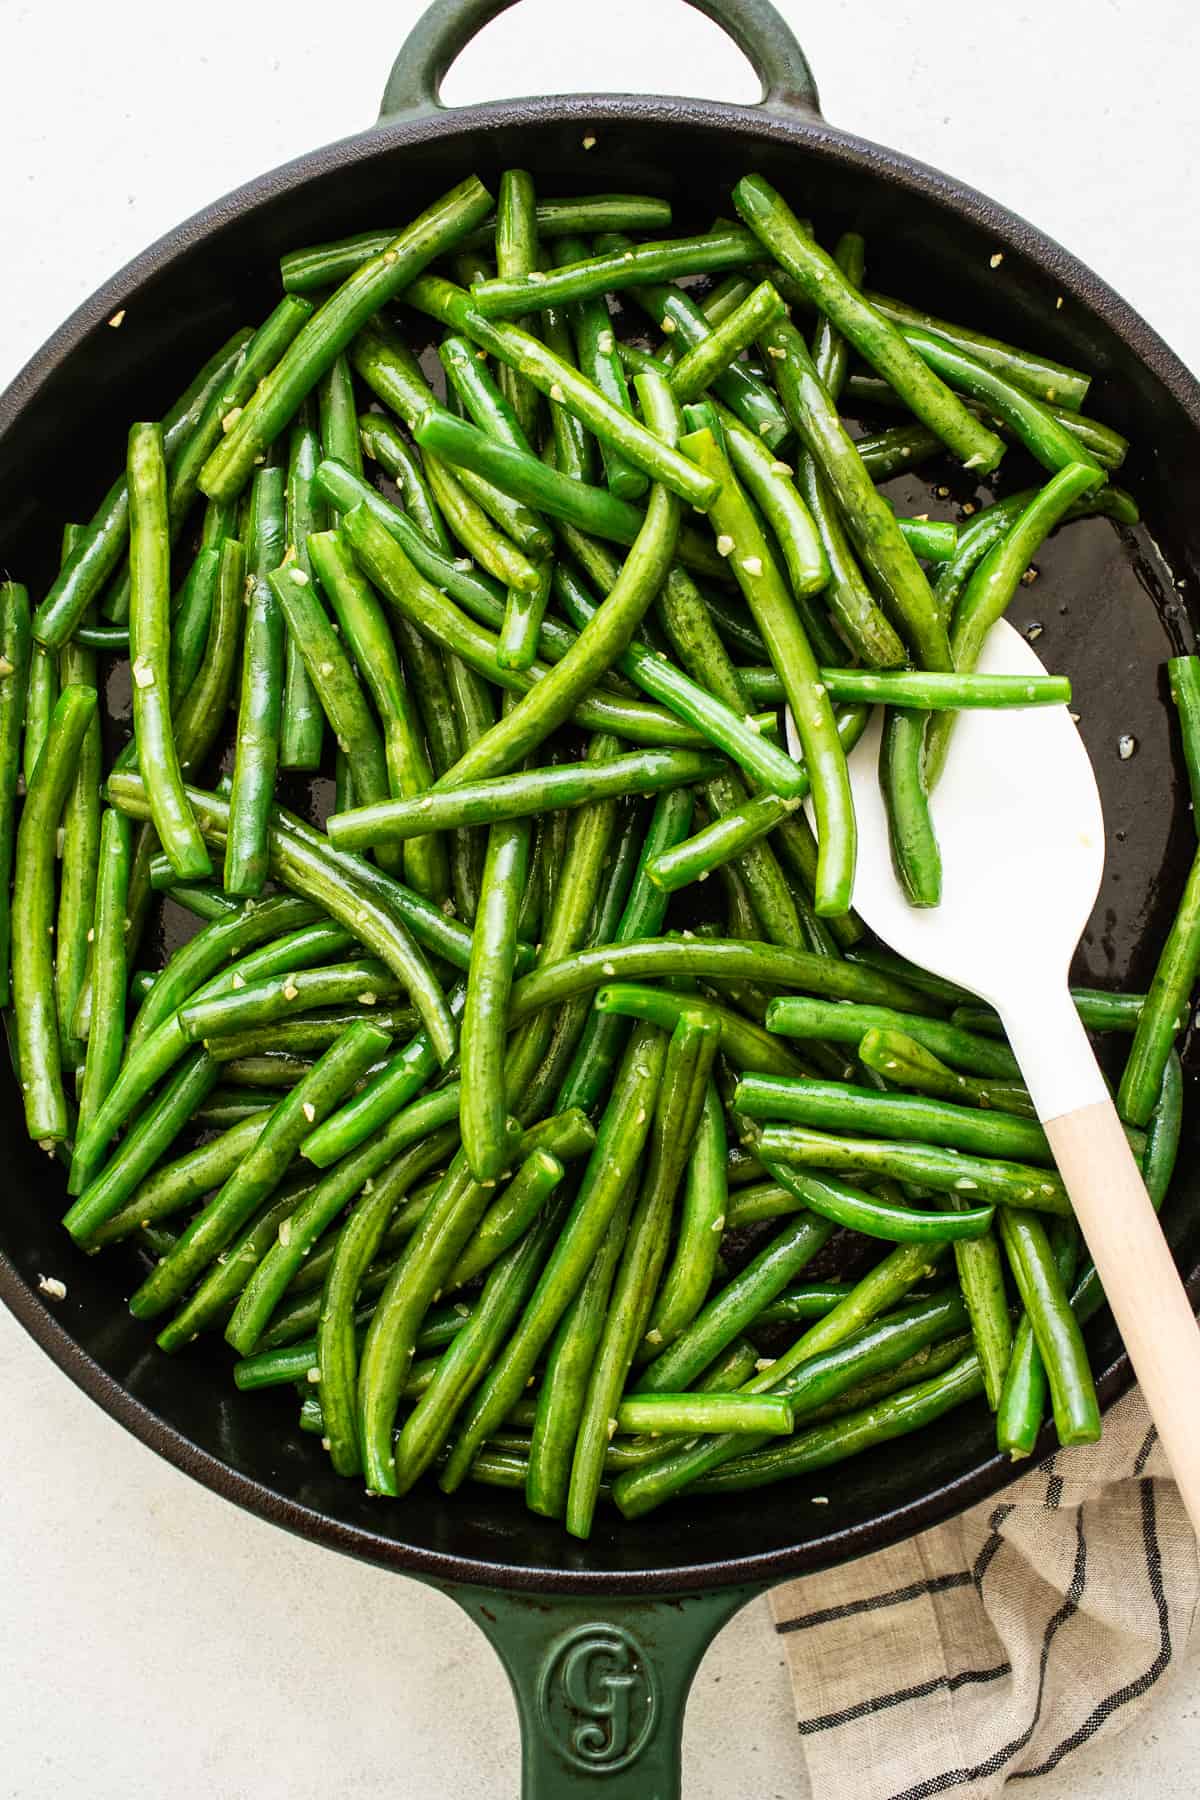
{"points": [[462, 1108]]}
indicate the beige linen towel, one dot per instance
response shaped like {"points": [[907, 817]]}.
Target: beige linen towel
{"points": [[991, 1647]]}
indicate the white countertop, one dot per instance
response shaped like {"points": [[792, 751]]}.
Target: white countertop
{"points": [[152, 1638]]}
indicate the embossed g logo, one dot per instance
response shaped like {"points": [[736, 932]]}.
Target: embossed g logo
{"points": [[598, 1697]]}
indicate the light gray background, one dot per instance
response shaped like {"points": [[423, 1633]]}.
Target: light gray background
{"points": [[153, 1639]]}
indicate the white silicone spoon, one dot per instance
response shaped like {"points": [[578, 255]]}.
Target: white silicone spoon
{"points": [[1021, 832]]}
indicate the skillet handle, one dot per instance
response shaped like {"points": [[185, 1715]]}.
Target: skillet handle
{"points": [[447, 27], [601, 1685]]}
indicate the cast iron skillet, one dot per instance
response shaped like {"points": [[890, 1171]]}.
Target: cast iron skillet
{"points": [[602, 1640]]}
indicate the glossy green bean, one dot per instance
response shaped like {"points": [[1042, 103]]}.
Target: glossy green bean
{"points": [[620, 1138], [872, 335], [1023, 1398], [149, 643], [260, 708], [327, 333], [872, 1215], [518, 796], [985, 1180], [302, 722], [79, 862], [1183, 674], [190, 622], [15, 654], [106, 1039], [177, 1185], [177, 1103], [1055, 1328], [905, 1063], [201, 714], [509, 1216], [258, 1175], [665, 260], [803, 1018], [489, 983], [598, 358], [1167, 1001], [1038, 375], [730, 731], [33, 999], [521, 350], [333, 681], [993, 584], [837, 1105]]}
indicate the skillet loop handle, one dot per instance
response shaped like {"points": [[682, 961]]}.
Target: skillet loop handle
{"points": [[447, 27], [601, 1684]]}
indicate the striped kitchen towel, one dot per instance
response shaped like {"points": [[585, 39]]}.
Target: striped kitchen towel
{"points": [[991, 1647]]}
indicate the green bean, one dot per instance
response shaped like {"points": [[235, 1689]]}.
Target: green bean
{"points": [[520, 350], [376, 909], [1098, 1011], [896, 450], [812, 1301], [427, 671], [315, 1031], [154, 1054], [1183, 673], [99, 550], [489, 982], [770, 485], [727, 1314], [333, 681], [258, 1175], [568, 1365], [987, 1180], [704, 361], [148, 1139], [706, 1201], [266, 1286], [364, 628], [639, 1490], [494, 544], [201, 715], [933, 540], [858, 617], [719, 960], [803, 1018], [592, 509], [260, 710], [40, 699], [725, 838], [867, 516], [219, 1290], [338, 419], [599, 360], [662, 261], [509, 1216], [79, 859], [743, 1043], [604, 1034], [993, 584], [322, 338], [830, 349], [871, 334], [1055, 1329], [259, 1002], [319, 265], [518, 796], [504, 1294], [1023, 1399], [272, 1069], [149, 643], [767, 597], [190, 622], [684, 1084], [302, 722], [32, 917], [621, 1136], [485, 402], [15, 654], [1166, 1003], [1038, 375], [430, 611], [690, 1413], [874, 1216], [906, 1063], [107, 1036], [748, 398], [689, 700], [762, 1200], [211, 949], [1098, 443], [415, 1281], [1033, 424], [516, 244], [838, 1105], [848, 1436], [177, 1185], [229, 1106]]}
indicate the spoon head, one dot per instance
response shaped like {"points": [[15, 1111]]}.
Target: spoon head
{"points": [[1021, 832]]}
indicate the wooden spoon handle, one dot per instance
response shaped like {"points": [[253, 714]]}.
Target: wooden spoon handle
{"points": [[1141, 1282], [1119, 1225]]}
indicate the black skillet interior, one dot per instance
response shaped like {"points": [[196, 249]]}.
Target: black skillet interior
{"points": [[1110, 611]]}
